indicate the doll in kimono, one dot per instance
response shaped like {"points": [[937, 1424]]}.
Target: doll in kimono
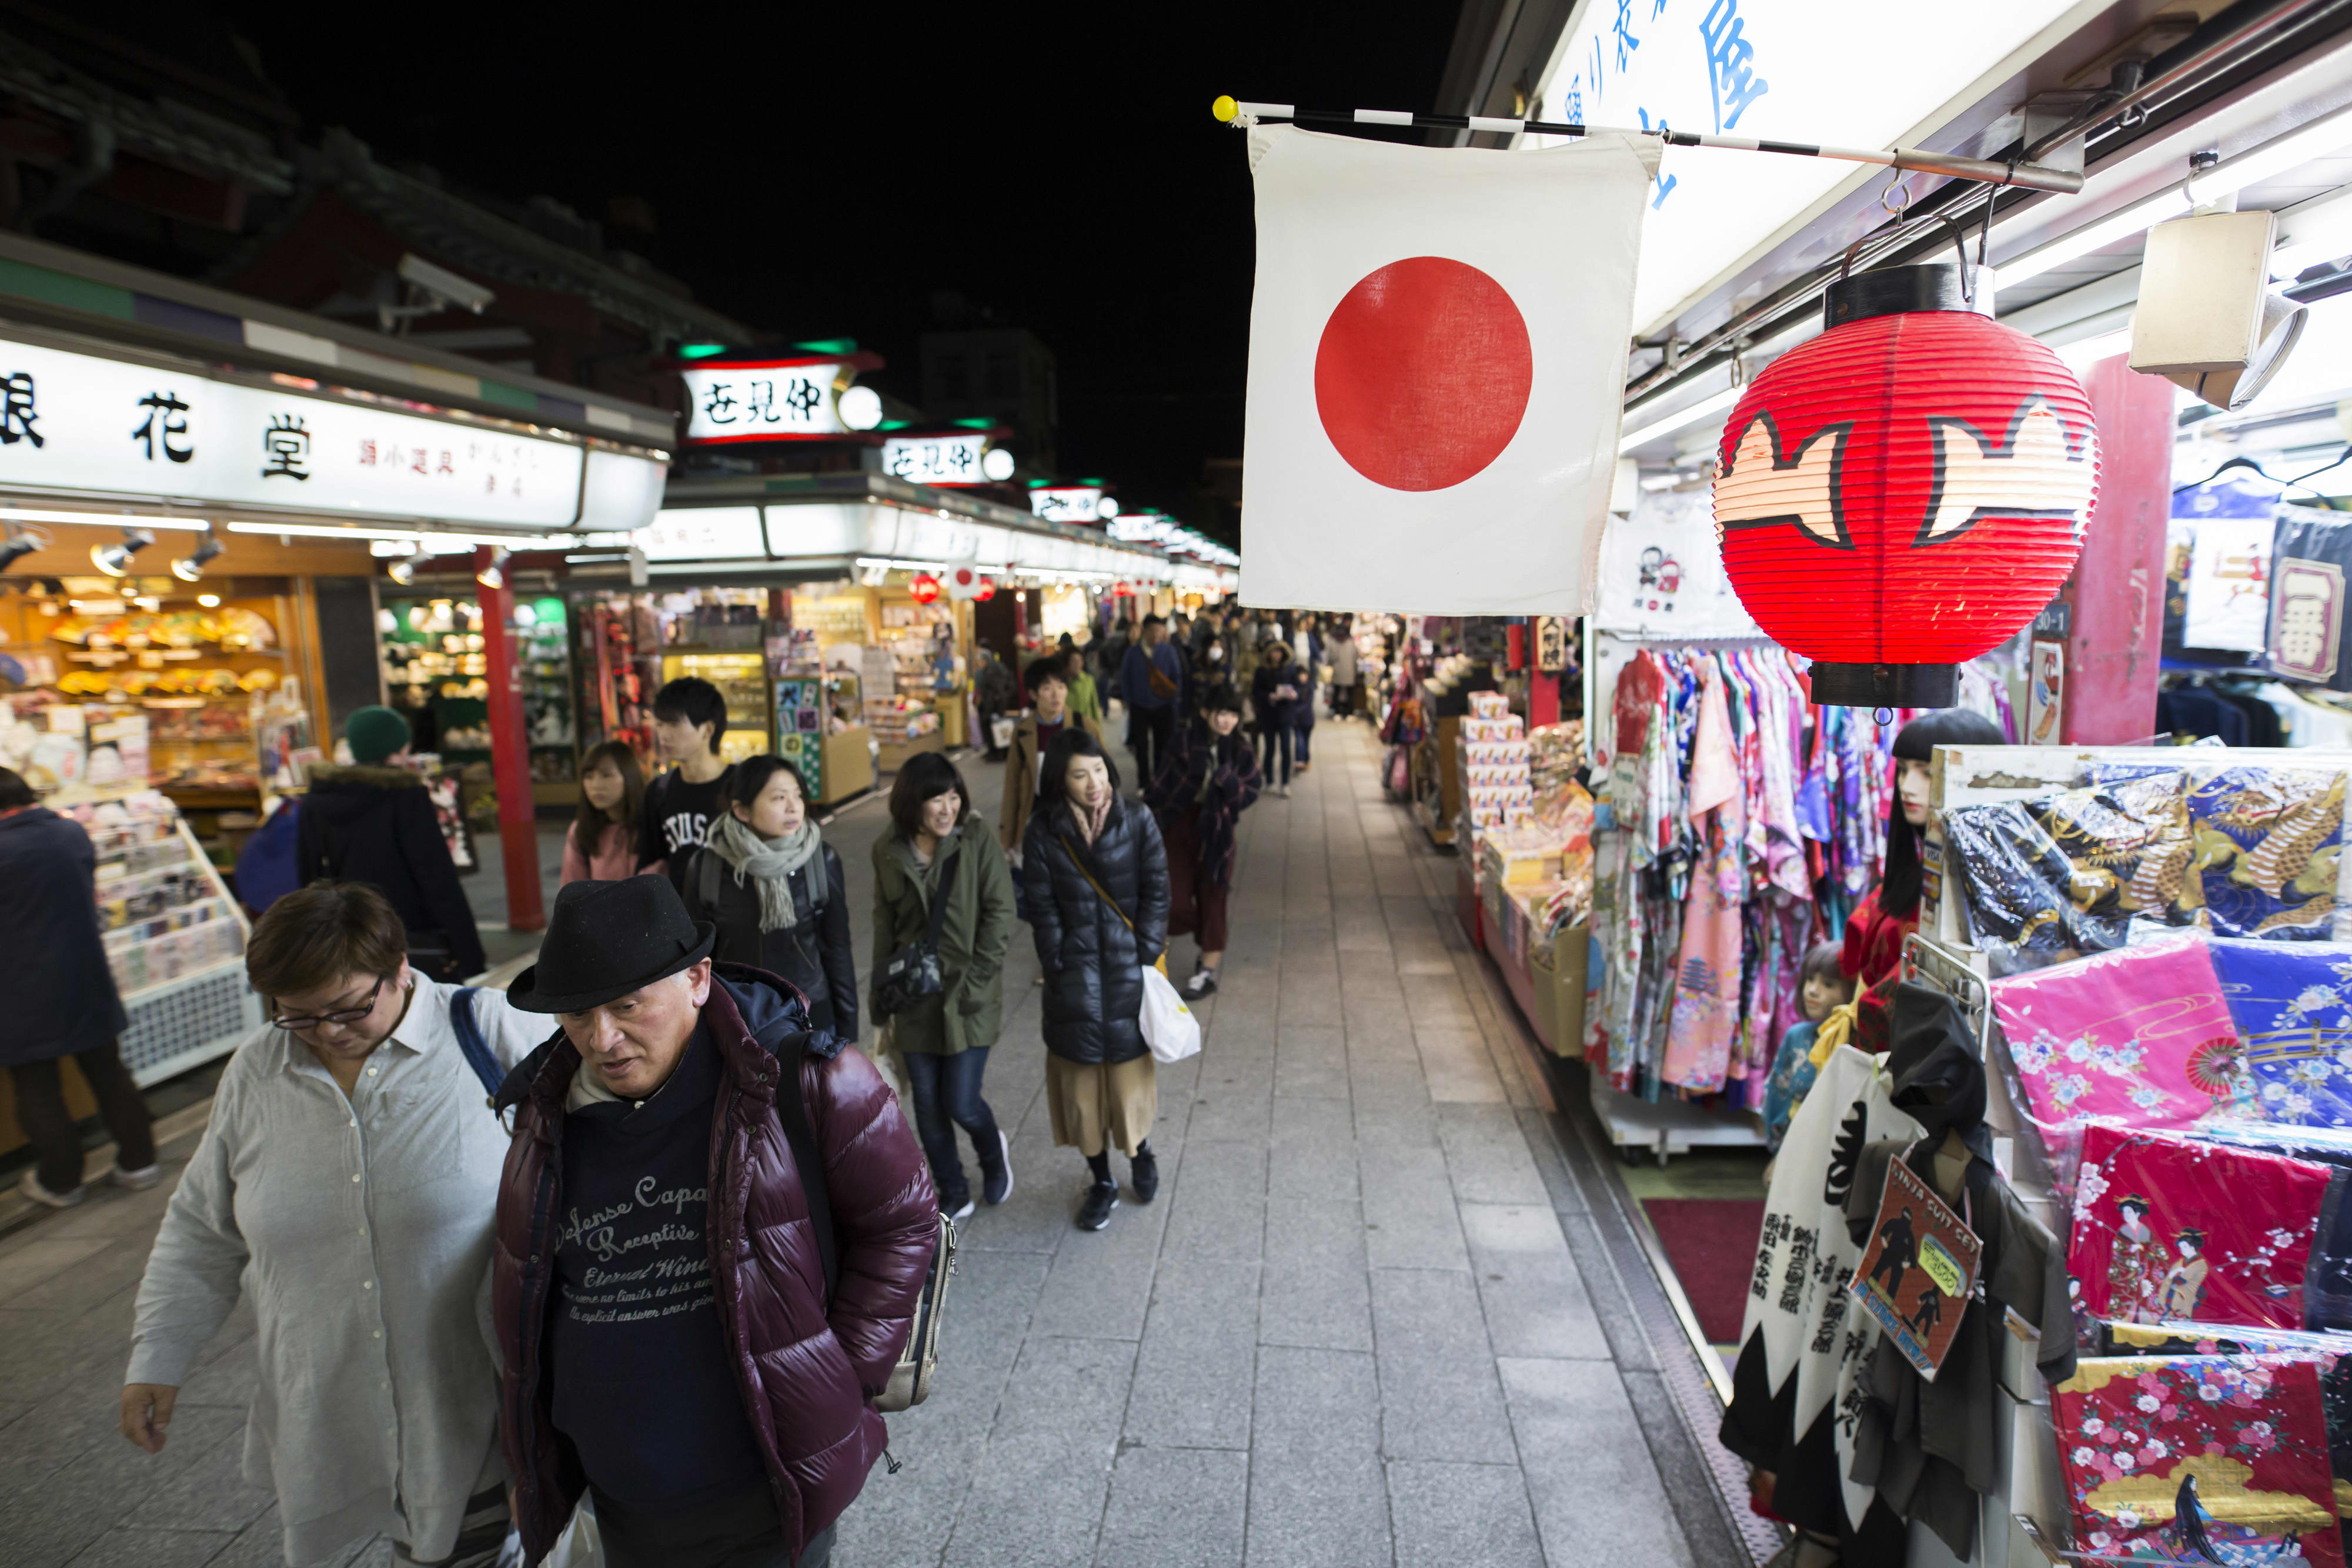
{"points": [[1821, 990]]}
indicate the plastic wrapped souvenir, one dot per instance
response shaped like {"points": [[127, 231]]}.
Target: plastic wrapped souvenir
{"points": [[2292, 1003], [2267, 842], [2168, 1226], [2023, 901], [2166, 1457]]}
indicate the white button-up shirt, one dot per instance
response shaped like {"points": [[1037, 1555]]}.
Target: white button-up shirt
{"points": [[361, 1227]]}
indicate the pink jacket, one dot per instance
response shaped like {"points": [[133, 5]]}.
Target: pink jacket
{"points": [[616, 858]]}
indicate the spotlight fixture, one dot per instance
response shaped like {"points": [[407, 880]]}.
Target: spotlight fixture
{"points": [[404, 572], [20, 543], [115, 559], [209, 601], [191, 567], [494, 574]]}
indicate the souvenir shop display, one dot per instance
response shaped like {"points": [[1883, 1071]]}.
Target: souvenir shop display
{"points": [[619, 643], [742, 681], [543, 655]]}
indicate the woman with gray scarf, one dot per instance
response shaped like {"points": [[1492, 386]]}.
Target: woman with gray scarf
{"points": [[774, 889]]}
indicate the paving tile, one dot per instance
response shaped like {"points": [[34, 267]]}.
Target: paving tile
{"points": [[261, 1544], [1194, 1371], [1100, 1284], [38, 1260], [1443, 1406], [1175, 1508], [1218, 1207], [1314, 1506], [1323, 1398], [1311, 1063], [1315, 1291], [1463, 1514], [1312, 1150], [1487, 1156], [1429, 1312], [1533, 1299], [1038, 1498], [126, 1548], [1377, 1085], [1409, 1212], [1594, 1488]]}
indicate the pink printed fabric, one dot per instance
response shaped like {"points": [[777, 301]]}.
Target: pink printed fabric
{"points": [[2139, 1037], [2172, 1229]]}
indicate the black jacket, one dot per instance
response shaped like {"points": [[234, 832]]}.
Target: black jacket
{"points": [[1273, 712], [61, 995], [1093, 960], [814, 954], [377, 825]]}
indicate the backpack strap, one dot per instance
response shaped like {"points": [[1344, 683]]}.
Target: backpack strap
{"points": [[792, 1111], [470, 1042]]}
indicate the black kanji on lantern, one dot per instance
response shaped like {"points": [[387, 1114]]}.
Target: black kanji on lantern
{"points": [[166, 417], [17, 415], [286, 445]]}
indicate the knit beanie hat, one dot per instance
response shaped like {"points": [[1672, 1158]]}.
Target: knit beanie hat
{"points": [[375, 733]]}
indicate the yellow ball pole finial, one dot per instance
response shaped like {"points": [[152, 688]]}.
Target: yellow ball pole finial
{"points": [[1224, 108]]}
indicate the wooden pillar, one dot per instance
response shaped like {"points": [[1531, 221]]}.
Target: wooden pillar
{"points": [[510, 754], [2114, 633]]}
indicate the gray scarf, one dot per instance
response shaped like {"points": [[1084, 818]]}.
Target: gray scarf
{"points": [[769, 862]]}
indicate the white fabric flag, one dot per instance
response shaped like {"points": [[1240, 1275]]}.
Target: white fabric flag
{"points": [[1437, 364]]}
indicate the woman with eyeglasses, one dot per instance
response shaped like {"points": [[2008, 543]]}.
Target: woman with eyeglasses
{"points": [[348, 1179]]}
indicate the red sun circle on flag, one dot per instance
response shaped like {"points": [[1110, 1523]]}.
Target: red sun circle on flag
{"points": [[1423, 373]]}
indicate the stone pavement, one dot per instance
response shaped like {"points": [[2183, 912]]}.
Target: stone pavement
{"points": [[1376, 1316]]}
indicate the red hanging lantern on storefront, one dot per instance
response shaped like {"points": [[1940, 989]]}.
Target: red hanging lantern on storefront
{"points": [[1904, 491], [924, 588], [985, 591]]}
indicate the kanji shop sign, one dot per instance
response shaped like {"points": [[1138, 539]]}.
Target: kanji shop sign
{"points": [[778, 400], [74, 422], [1067, 504], [935, 459]]}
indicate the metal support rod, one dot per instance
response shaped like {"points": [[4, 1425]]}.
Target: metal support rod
{"points": [[2031, 176]]}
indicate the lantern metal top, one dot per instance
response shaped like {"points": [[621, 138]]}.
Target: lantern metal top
{"points": [[1894, 291]]}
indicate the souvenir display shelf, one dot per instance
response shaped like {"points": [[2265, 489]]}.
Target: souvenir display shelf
{"points": [[544, 655], [175, 937]]}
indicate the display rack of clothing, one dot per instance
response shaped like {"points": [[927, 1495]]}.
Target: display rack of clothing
{"points": [[2250, 710], [1750, 821]]}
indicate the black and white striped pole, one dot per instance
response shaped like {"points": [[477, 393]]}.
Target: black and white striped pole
{"points": [[2029, 176]]}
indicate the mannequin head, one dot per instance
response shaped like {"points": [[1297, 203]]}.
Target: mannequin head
{"points": [[1907, 813], [1825, 985]]}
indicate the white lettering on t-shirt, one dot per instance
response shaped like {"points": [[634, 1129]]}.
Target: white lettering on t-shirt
{"points": [[685, 828], [661, 1288]]}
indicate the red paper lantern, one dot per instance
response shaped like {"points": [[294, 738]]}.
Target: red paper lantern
{"points": [[985, 591], [924, 588], [1905, 490]]}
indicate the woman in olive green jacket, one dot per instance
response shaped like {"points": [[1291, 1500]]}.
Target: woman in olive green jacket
{"points": [[935, 838]]}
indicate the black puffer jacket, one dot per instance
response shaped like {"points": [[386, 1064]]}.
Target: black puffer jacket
{"points": [[814, 954], [1093, 960]]}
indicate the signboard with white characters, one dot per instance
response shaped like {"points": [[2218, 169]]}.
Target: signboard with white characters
{"points": [[75, 421], [1798, 71], [781, 400], [935, 459], [1067, 504]]}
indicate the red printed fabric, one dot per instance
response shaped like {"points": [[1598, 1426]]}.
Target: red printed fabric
{"points": [[2250, 1428], [2168, 1227]]}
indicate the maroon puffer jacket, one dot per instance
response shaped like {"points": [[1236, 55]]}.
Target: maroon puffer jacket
{"points": [[807, 1375]]}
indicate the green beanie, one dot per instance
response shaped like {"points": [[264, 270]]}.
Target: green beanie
{"points": [[375, 733]]}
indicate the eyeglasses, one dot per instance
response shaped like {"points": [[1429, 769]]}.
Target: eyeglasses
{"points": [[344, 1015]]}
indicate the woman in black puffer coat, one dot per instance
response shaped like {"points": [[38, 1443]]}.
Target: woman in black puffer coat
{"points": [[1094, 888]]}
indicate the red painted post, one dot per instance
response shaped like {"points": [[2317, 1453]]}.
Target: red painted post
{"points": [[2116, 631], [510, 754]]}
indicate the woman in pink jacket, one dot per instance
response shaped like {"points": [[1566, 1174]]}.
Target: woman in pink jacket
{"points": [[602, 844]]}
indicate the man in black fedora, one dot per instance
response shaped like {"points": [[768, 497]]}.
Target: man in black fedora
{"points": [[703, 1358]]}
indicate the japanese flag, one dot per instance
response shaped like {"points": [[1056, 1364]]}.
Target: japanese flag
{"points": [[1436, 367], [961, 578]]}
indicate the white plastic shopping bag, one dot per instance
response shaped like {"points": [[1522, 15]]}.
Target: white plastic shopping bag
{"points": [[1168, 1026]]}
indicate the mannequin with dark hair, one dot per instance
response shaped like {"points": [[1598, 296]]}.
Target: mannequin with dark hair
{"points": [[1874, 932]]}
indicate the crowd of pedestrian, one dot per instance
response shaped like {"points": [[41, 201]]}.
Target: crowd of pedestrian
{"points": [[672, 1260]]}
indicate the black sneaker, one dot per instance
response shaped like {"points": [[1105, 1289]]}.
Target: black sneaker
{"points": [[996, 1177], [1143, 1175], [958, 1206], [1102, 1196], [1203, 983]]}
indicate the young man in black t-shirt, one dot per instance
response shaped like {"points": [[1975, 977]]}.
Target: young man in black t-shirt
{"points": [[689, 715]]}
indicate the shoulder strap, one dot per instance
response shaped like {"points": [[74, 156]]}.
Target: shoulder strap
{"points": [[470, 1040], [791, 1111], [1080, 862]]}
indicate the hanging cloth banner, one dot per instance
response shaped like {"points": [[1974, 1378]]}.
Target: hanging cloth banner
{"points": [[1437, 364]]}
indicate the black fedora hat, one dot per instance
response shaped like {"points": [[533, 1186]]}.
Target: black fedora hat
{"points": [[606, 939]]}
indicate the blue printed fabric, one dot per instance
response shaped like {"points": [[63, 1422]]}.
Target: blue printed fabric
{"points": [[1792, 1079], [2264, 847], [2292, 1006]]}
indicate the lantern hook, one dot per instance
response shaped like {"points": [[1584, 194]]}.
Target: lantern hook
{"points": [[1899, 188], [1883, 717]]}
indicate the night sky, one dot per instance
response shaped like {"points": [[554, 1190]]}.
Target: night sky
{"points": [[822, 170]]}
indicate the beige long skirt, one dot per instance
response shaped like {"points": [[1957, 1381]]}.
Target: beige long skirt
{"points": [[1092, 1103]]}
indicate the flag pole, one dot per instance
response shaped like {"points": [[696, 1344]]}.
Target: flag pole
{"points": [[2029, 176]]}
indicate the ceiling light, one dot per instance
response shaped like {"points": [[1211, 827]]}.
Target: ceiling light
{"points": [[209, 601], [996, 463], [100, 519], [404, 572], [191, 567], [410, 536], [2205, 185], [494, 576], [115, 559], [1106, 508], [1702, 409]]}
